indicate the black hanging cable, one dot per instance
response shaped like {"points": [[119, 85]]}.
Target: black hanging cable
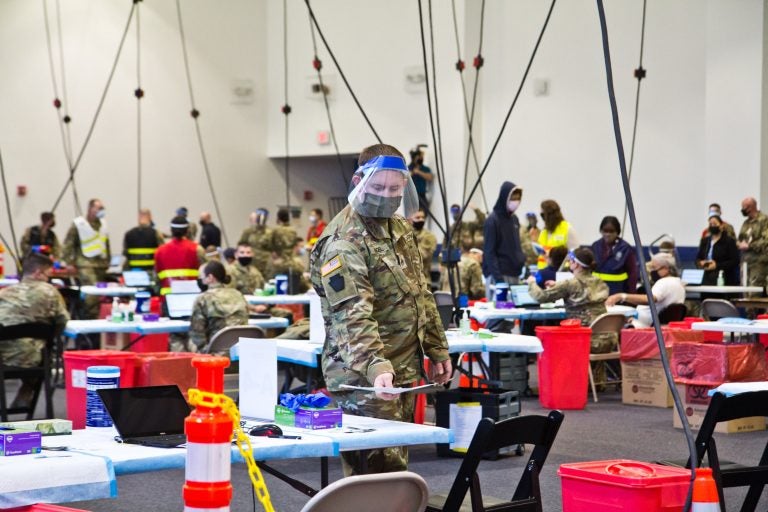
{"points": [[639, 246], [511, 107], [318, 65], [439, 148], [478, 63], [76, 163], [139, 94], [286, 108], [195, 113], [431, 119], [67, 119], [640, 73], [15, 252], [341, 73]]}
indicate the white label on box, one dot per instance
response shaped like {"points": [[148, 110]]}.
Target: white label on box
{"points": [[463, 420], [78, 378]]}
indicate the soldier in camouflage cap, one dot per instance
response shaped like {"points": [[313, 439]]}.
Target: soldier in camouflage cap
{"points": [[425, 239], [259, 237], [283, 238], [380, 317], [217, 307], [32, 300]]}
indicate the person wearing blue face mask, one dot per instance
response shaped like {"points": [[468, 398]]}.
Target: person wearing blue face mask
{"points": [[86, 251]]}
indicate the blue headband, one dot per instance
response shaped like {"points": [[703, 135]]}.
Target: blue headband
{"points": [[393, 163]]}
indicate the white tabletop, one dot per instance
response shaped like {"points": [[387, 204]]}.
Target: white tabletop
{"points": [[164, 325], [278, 299], [754, 327], [8, 281], [109, 291], [736, 388], [482, 314], [723, 289]]}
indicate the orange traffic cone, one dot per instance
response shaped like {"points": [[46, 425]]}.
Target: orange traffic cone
{"points": [[705, 497]]}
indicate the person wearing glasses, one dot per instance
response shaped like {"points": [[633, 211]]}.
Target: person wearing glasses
{"points": [[615, 258]]}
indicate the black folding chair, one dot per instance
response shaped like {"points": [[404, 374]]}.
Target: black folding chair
{"points": [[36, 330], [673, 313], [539, 431]]}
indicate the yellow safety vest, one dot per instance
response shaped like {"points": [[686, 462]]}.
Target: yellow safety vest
{"points": [[92, 243], [555, 239], [175, 273], [141, 256]]}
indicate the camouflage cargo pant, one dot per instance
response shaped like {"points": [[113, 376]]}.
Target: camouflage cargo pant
{"points": [[90, 276], [383, 460], [756, 276], [601, 343]]}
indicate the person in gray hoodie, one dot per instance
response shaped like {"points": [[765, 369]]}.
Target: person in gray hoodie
{"points": [[503, 256]]}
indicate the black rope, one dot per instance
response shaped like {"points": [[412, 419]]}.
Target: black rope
{"points": [[431, 118], [65, 96], [318, 65], [286, 109], [341, 73], [195, 115], [76, 163], [439, 148], [15, 252], [139, 94], [470, 116], [511, 108], [639, 246], [639, 74]]}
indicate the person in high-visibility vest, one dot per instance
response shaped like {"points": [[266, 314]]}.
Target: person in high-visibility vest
{"points": [[180, 258], [86, 251], [140, 244], [616, 259], [557, 231]]}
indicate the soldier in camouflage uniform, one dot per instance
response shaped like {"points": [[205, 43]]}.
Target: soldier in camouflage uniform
{"points": [[295, 268], [41, 235], [753, 243], [470, 273], [245, 277], [259, 237], [283, 238], [466, 234], [380, 317], [215, 308], [86, 250], [32, 300], [425, 239]]}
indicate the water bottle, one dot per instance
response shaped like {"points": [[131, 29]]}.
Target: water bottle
{"points": [[464, 324], [116, 314], [720, 279]]}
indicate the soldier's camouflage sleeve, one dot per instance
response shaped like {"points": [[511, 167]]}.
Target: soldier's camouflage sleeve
{"points": [[435, 343], [60, 313], [25, 244], [759, 241], [198, 323], [561, 290], [475, 286], [350, 301], [71, 246], [56, 249]]}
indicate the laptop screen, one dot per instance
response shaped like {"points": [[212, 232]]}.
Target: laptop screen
{"points": [[146, 411], [180, 304], [520, 295], [692, 276], [136, 278]]}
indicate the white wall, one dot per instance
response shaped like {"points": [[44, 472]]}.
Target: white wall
{"points": [[698, 139]]}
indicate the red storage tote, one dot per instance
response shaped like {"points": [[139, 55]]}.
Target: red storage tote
{"points": [[563, 375], [76, 362], [615, 485], [163, 368]]}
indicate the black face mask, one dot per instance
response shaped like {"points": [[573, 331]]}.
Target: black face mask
{"points": [[655, 275], [418, 225], [245, 260], [744, 212], [714, 230], [202, 285]]}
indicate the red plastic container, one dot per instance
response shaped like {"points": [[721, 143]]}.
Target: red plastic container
{"points": [[615, 485], [563, 375], [44, 507], [164, 368], [76, 362]]}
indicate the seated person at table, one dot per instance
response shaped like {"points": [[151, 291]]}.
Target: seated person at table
{"points": [[547, 276], [718, 253], [32, 300], [584, 296], [217, 307], [666, 289], [246, 278]]}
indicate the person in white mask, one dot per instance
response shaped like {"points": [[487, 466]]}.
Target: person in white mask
{"points": [[503, 256]]}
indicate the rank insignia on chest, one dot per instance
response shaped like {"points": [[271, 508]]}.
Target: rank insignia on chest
{"points": [[331, 265]]}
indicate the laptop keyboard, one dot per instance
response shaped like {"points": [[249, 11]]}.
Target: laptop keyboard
{"points": [[163, 441]]}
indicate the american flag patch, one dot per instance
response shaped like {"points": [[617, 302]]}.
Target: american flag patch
{"points": [[334, 263]]}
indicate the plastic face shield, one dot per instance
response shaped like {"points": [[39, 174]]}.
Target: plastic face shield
{"points": [[385, 188]]}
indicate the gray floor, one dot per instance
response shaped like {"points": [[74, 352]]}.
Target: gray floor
{"points": [[606, 430]]}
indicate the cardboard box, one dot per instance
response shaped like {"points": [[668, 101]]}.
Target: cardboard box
{"points": [[696, 401], [309, 417], [50, 427], [644, 383], [19, 442]]}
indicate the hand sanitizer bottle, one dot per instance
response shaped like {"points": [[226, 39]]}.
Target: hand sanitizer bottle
{"points": [[720, 279], [464, 326]]}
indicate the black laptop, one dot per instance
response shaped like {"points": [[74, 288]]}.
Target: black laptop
{"points": [[150, 416]]}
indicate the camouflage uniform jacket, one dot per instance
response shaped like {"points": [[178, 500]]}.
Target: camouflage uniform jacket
{"points": [[471, 278], [427, 242], [29, 301], [283, 242], [260, 240], [755, 231], [295, 265], [468, 234], [72, 253], [584, 296], [33, 236], [245, 279], [380, 316], [214, 309]]}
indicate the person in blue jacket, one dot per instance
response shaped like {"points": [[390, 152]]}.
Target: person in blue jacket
{"points": [[503, 256], [616, 260]]}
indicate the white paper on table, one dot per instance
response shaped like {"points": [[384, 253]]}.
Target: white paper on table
{"points": [[316, 322], [391, 391], [185, 286], [463, 418], [258, 378]]}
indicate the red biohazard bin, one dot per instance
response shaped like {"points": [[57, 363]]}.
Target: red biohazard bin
{"points": [[616, 485], [165, 368], [76, 362], [563, 374]]}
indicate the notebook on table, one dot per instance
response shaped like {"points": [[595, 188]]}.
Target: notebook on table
{"points": [[149, 416], [180, 305]]}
